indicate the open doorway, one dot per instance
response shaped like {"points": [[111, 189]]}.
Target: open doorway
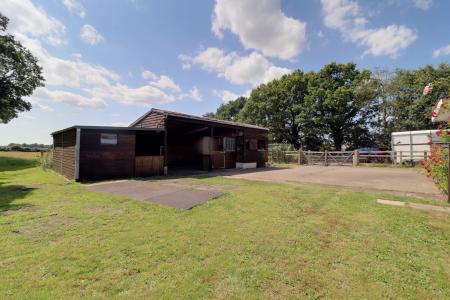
{"points": [[149, 153]]}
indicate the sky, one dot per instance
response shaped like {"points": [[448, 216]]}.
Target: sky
{"points": [[107, 62]]}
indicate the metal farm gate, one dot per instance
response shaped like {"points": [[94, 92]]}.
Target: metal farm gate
{"points": [[327, 158]]}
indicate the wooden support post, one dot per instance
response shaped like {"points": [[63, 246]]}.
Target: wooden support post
{"points": [[401, 158], [166, 171], [425, 155], [300, 156], [356, 158], [309, 157], [326, 158]]}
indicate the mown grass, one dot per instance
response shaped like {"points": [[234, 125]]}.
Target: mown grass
{"points": [[260, 240]]}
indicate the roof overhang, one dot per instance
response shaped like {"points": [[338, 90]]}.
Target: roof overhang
{"points": [[109, 128]]}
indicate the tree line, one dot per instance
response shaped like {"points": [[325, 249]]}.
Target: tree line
{"points": [[341, 105]]}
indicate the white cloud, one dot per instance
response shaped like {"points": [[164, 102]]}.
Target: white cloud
{"points": [[346, 16], [162, 82], [44, 94], [75, 7], [226, 95], [253, 69], [445, 50], [423, 4], [194, 93], [149, 75], [90, 35], [261, 25], [79, 83], [26, 18], [36, 104], [165, 82]]}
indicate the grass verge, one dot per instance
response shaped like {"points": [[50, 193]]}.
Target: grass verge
{"points": [[260, 240]]}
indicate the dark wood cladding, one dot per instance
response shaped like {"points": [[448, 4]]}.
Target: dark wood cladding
{"points": [[149, 165], [64, 153], [222, 160], [152, 120], [99, 161]]}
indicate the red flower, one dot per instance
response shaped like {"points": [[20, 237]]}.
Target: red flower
{"points": [[430, 143], [434, 114], [439, 133]]}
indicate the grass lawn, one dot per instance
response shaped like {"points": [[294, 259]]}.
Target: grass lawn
{"points": [[260, 240]]}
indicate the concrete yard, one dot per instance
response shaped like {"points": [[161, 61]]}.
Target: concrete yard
{"points": [[175, 193], [406, 181]]}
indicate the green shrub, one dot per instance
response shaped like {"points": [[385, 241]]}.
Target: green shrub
{"points": [[46, 160]]}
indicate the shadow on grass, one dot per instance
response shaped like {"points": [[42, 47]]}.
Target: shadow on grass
{"points": [[16, 164], [11, 193]]}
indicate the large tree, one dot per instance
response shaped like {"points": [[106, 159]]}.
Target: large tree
{"points": [[230, 111], [283, 106], [20, 75], [344, 98], [411, 110]]}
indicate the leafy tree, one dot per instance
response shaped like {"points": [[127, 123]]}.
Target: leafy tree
{"points": [[283, 106], [230, 111], [209, 115], [20, 75], [345, 98], [410, 109]]}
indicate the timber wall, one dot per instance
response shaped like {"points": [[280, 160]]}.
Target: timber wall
{"points": [[99, 161], [64, 153]]}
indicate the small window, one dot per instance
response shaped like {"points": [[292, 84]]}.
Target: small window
{"points": [[108, 139], [229, 144]]}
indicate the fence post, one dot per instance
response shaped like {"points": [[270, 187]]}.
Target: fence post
{"points": [[299, 156], [401, 158], [309, 157], [424, 154], [326, 158], [356, 158]]}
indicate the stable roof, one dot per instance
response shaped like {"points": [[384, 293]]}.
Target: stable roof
{"points": [[108, 128], [177, 115]]}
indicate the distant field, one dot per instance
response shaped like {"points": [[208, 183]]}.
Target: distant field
{"points": [[19, 154], [261, 240]]}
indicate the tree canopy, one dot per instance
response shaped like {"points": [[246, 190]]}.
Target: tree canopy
{"points": [[341, 105], [20, 75]]}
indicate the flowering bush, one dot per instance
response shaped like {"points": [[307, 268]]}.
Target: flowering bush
{"points": [[436, 164]]}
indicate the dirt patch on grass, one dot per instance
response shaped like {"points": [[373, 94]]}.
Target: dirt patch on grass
{"points": [[54, 225], [102, 209]]}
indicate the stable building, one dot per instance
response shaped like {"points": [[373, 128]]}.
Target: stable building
{"points": [[159, 142]]}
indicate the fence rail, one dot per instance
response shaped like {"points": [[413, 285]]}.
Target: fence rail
{"points": [[345, 157]]}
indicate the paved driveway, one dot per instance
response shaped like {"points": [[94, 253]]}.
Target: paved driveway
{"points": [[170, 192], [397, 180]]}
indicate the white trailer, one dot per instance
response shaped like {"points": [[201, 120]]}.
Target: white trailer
{"points": [[413, 145]]}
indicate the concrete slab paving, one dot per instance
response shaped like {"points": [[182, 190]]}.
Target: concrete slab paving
{"points": [[405, 181], [178, 194], [420, 206]]}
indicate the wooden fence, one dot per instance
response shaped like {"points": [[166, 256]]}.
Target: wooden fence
{"points": [[346, 157]]}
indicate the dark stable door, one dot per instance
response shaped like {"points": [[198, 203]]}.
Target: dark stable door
{"points": [[239, 148]]}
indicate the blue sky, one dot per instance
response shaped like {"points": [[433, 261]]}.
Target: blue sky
{"points": [[108, 62]]}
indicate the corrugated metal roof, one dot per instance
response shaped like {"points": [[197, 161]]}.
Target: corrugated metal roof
{"points": [[168, 113]]}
